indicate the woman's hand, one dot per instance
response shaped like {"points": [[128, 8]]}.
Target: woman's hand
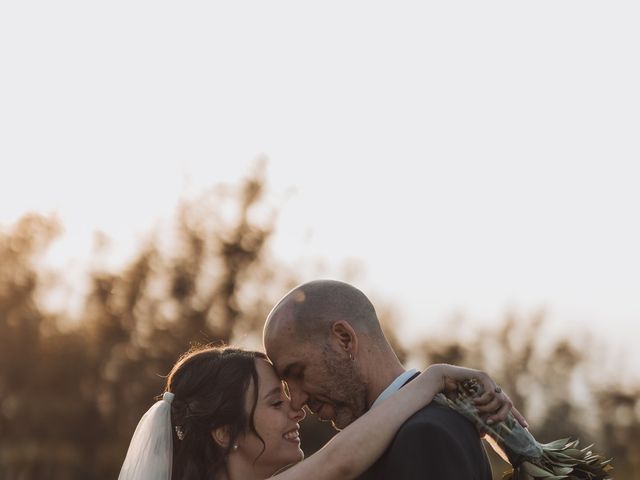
{"points": [[494, 403]]}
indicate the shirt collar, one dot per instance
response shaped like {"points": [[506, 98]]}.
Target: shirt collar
{"points": [[395, 385]]}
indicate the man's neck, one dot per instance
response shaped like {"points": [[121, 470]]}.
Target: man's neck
{"points": [[381, 378]]}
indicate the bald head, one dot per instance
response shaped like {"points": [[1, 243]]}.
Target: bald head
{"points": [[309, 310], [325, 341]]}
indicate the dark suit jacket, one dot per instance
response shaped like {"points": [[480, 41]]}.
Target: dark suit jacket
{"points": [[436, 443]]}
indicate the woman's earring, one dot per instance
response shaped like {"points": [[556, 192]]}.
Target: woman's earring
{"points": [[235, 446], [351, 356]]}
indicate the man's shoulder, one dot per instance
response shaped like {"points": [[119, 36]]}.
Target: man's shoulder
{"points": [[436, 441], [437, 418]]}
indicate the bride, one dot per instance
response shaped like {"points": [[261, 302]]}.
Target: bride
{"points": [[225, 415]]}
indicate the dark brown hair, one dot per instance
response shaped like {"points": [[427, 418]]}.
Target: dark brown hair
{"points": [[209, 386]]}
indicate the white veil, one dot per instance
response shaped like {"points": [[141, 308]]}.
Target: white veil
{"points": [[150, 452]]}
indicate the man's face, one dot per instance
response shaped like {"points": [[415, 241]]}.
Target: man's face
{"points": [[321, 378]]}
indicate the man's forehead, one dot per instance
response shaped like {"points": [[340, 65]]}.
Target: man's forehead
{"points": [[287, 352], [281, 346], [279, 339], [285, 362]]}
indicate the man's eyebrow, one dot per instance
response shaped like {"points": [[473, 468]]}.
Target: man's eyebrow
{"points": [[286, 372], [273, 391]]}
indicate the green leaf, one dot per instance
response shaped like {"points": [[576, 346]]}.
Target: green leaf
{"points": [[536, 471], [556, 445], [562, 470]]}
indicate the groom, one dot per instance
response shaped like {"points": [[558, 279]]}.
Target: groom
{"points": [[325, 341]]}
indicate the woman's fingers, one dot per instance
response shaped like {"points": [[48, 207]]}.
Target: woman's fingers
{"points": [[499, 405], [490, 406], [494, 402], [501, 414], [519, 417], [491, 392], [485, 398]]}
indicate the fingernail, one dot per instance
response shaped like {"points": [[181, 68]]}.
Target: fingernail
{"points": [[489, 422]]}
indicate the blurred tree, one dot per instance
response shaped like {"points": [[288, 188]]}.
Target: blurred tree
{"points": [[71, 397], [39, 403], [73, 389], [550, 380], [618, 406]]}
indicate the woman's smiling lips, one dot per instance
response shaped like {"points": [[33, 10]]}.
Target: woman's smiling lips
{"points": [[293, 435]]}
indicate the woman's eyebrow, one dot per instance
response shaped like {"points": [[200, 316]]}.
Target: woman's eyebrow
{"points": [[273, 391]]}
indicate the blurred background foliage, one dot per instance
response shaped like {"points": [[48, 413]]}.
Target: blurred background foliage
{"points": [[73, 386]]}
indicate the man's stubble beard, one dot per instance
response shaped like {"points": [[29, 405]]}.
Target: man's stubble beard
{"points": [[348, 389]]}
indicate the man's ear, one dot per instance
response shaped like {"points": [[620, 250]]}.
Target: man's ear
{"points": [[222, 436], [345, 335]]}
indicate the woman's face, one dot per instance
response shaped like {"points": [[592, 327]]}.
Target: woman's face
{"points": [[275, 421]]}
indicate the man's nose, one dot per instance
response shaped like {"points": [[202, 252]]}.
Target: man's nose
{"points": [[298, 398], [296, 415]]}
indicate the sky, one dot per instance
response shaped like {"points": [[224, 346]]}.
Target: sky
{"points": [[470, 157]]}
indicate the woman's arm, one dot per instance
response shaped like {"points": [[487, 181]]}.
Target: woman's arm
{"points": [[358, 446]]}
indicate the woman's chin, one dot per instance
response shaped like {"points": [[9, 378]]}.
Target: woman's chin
{"points": [[297, 456]]}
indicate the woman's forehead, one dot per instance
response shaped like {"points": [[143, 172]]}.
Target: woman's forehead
{"points": [[267, 375]]}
